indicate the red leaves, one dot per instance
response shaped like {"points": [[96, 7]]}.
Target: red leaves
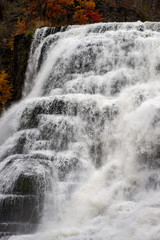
{"points": [[57, 8], [85, 12], [94, 16], [59, 12]]}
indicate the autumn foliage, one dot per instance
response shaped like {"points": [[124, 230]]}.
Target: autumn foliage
{"points": [[85, 12], [59, 8], [60, 12], [5, 89], [21, 26]]}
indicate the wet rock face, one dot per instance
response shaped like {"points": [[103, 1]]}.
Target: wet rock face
{"points": [[5, 58], [14, 62], [65, 166], [25, 206], [20, 56], [24, 181]]}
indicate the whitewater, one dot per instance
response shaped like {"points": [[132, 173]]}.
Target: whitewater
{"points": [[89, 125]]}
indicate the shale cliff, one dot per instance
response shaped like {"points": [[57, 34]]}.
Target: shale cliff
{"points": [[15, 62]]}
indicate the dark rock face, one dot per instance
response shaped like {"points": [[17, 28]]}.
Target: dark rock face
{"points": [[24, 181], [5, 57], [14, 62], [19, 64]]}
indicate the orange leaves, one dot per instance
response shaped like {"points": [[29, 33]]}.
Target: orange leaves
{"points": [[36, 8], [5, 89], [94, 16], [80, 14], [37, 4], [85, 12], [58, 12], [80, 17], [57, 8], [85, 4], [48, 9], [21, 26]]}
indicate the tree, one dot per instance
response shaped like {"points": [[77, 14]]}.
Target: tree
{"points": [[59, 8], [52, 10], [5, 89], [63, 11], [94, 16], [21, 26], [85, 12], [36, 8]]}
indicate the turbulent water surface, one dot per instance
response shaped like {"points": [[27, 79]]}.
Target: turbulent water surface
{"points": [[89, 126]]}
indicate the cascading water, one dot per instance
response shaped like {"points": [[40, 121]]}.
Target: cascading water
{"points": [[80, 154]]}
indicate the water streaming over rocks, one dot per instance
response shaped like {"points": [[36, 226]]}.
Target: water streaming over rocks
{"points": [[80, 154]]}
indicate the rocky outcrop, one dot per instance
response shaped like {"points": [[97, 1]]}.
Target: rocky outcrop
{"points": [[26, 178], [19, 63], [14, 62], [5, 57]]}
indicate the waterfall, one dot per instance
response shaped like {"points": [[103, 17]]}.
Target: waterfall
{"points": [[80, 153]]}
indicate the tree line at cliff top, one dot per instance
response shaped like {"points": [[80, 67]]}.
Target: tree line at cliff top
{"points": [[25, 15]]}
